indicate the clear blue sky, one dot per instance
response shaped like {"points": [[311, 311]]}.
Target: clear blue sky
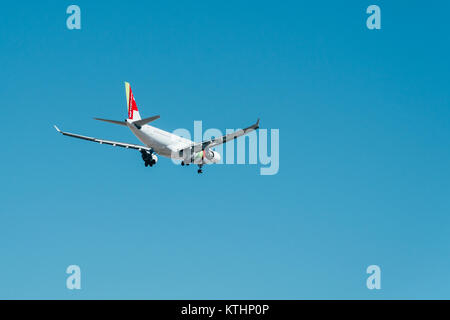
{"points": [[364, 150]]}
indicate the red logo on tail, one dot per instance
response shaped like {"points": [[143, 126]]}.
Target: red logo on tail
{"points": [[131, 106]]}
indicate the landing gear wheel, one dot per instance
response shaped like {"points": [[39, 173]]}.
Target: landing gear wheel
{"points": [[199, 171], [182, 163], [148, 157]]}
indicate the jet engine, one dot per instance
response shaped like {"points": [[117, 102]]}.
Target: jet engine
{"points": [[206, 156], [210, 156]]}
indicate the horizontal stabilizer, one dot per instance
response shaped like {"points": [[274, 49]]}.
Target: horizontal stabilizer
{"points": [[140, 123], [122, 123]]}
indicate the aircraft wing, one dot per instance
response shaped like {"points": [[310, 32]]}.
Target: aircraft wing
{"points": [[219, 140], [101, 141]]}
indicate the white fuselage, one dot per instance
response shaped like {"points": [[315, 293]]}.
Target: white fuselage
{"points": [[169, 145], [162, 142]]}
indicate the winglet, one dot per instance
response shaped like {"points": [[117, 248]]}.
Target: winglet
{"points": [[257, 124], [57, 129]]}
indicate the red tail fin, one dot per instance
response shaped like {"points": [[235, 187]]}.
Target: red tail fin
{"points": [[133, 112]]}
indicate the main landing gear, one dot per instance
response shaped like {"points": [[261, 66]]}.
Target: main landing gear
{"points": [[148, 158], [199, 169]]}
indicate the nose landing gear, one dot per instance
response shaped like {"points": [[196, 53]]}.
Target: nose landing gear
{"points": [[183, 163]]}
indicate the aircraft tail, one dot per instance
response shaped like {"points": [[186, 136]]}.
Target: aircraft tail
{"points": [[133, 112]]}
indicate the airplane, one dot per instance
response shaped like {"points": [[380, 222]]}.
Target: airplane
{"points": [[160, 142]]}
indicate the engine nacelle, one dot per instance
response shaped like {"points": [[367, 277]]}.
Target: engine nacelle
{"points": [[210, 156], [201, 157]]}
